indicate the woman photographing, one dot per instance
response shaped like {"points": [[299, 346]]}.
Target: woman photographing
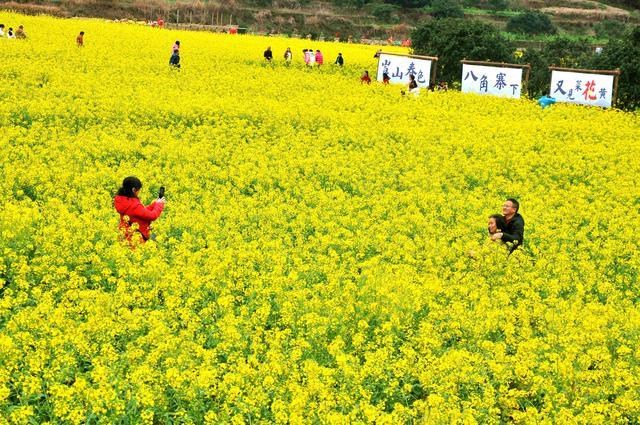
{"points": [[132, 211]]}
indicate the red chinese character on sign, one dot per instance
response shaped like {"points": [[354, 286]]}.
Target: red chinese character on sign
{"points": [[590, 90]]}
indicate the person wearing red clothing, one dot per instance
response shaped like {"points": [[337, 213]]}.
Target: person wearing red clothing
{"points": [[132, 211], [365, 78]]}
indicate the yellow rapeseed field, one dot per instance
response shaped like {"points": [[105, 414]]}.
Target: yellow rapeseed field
{"points": [[322, 257]]}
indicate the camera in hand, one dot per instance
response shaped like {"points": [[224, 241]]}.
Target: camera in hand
{"points": [[161, 192]]}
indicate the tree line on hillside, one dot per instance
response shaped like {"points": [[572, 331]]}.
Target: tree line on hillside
{"points": [[453, 39]]}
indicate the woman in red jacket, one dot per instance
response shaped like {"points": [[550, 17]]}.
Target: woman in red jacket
{"points": [[132, 211]]}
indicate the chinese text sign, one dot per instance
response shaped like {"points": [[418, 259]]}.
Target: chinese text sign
{"points": [[398, 68], [492, 80], [582, 88]]}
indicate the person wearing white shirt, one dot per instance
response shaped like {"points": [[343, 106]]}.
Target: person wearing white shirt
{"points": [[312, 58], [2, 30]]}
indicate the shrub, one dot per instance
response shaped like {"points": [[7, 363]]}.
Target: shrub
{"points": [[446, 9], [385, 12], [609, 28], [532, 23]]}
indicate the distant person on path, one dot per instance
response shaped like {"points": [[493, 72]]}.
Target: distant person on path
{"points": [[131, 210], [340, 60], [546, 100], [80, 39], [160, 23], [312, 58], [514, 228], [319, 58], [268, 54], [20, 34], [174, 61], [378, 53], [176, 47], [365, 78], [288, 56]]}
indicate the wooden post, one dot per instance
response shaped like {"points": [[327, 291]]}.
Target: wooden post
{"points": [[434, 68], [614, 99]]}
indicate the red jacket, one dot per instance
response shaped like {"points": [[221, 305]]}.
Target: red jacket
{"points": [[137, 213]]}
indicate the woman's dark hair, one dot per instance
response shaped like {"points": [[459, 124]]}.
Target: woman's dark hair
{"points": [[178, 42], [501, 223], [128, 185]]}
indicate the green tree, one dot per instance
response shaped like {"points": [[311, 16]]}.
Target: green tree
{"points": [[453, 39], [441, 9], [531, 22], [624, 53]]}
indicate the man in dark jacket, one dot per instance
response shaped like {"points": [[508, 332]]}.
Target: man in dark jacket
{"points": [[268, 54], [514, 230]]}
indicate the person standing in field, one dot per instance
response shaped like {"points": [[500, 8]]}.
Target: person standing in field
{"points": [[10, 33], [319, 58], [385, 78], [132, 212], [413, 86], [312, 58], [20, 34], [514, 229], [268, 54], [288, 56], [176, 47], [174, 61], [80, 39], [2, 34], [340, 60], [365, 78]]}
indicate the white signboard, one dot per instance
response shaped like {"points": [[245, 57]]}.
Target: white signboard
{"points": [[398, 68], [582, 88], [492, 80]]}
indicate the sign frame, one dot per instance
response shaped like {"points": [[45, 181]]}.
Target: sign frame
{"points": [[615, 72], [525, 67], [433, 59]]}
